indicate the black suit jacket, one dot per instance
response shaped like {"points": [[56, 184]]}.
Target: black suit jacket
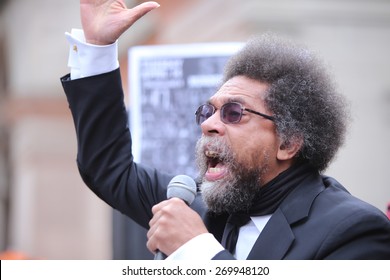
{"points": [[318, 220]]}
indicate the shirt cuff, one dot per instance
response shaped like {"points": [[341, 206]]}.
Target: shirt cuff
{"points": [[201, 247], [87, 60]]}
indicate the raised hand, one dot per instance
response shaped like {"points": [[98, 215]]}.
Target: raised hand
{"points": [[104, 21]]}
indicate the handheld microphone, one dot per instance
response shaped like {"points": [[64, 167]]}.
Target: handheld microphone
{"points": [[183, 187]]}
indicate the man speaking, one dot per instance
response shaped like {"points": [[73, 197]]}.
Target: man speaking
{"points": [[268, 134]]}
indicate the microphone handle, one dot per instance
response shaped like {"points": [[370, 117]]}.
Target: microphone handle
{"points": [[183, 187], [159, 256]]}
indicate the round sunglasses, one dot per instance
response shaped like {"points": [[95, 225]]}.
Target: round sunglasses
{"points": [[231, 113]]}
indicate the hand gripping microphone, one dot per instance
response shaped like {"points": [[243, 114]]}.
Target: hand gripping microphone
{"points": [[183, 187]]}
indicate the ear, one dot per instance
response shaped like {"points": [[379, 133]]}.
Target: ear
{"points": [[289, 149]]}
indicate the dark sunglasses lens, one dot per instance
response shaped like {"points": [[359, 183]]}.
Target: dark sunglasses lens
{"points": [[231, 113], [203, 113]]}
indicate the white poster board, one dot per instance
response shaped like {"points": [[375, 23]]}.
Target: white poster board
{"points": [[166, 85]]}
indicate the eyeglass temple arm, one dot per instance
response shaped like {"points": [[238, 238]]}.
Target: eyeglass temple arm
{"points": [[260, 114]]}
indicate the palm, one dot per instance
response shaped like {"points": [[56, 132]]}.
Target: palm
{"points": [[105, 20]]}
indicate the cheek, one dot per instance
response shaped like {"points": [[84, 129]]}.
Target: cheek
{"points": [[253, 149]]}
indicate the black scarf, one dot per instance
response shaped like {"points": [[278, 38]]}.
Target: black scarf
{"points": [[274, 192]]}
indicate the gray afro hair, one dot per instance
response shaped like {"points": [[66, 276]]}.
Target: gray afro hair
{"points": [[301, 95]]}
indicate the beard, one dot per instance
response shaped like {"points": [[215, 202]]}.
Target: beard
{"points": [[236, 191]]}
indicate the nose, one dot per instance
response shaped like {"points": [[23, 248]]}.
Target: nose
{"points": [[213, 125]]}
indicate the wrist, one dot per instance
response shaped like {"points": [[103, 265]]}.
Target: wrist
{"points": [[201, 247], [97, 42], [86, 59]]}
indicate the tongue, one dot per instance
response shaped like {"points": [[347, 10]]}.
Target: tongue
{"points": [[216, 173]]}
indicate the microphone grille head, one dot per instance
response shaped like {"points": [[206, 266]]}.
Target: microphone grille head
{"points": [[183, 187]]}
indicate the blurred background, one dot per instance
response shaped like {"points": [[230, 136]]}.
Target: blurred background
{"points": [[46, 212]]}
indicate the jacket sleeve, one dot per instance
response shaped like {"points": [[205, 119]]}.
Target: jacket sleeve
{"points": [[104, 155], [363, 236]]}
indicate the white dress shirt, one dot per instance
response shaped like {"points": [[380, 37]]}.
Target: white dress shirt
{"points": [[87, 60]]}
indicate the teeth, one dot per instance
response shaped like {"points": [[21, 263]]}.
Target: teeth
{"points": [[214, 170], [211, 154]]}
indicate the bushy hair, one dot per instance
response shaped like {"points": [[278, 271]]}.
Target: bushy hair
{"points": [[301, 95]]}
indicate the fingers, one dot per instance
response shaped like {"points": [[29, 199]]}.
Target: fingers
{"points": [[105, 21], [173, 224], [160, 223]]}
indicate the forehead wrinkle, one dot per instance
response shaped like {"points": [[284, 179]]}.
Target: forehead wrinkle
{"points": [[240, 89]]}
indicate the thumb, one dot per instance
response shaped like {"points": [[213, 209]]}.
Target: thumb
{"points": [[140, 10]]}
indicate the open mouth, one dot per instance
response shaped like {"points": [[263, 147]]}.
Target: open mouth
{"points": [[216, 168]]}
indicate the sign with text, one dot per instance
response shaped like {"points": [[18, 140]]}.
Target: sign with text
{"points": [[167, 84]]}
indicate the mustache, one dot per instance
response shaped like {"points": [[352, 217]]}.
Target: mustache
{"points": [[236, 191], [217, 145]]}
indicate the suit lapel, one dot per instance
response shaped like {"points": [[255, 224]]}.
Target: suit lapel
{"points": [[265, 247], [277, 236]]}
